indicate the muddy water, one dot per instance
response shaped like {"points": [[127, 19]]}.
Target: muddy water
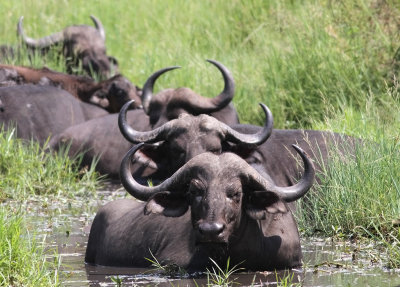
{"points": [[63, 224]]}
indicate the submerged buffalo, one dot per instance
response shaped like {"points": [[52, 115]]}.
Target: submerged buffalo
{"points": [[100, 138], [39, 112], [81, 44], [181, 139], [215, 206], [177, 141], [275, 158], [110, 94]]}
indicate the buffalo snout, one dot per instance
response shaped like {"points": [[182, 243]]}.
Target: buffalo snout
{"points": [[211, 232]]}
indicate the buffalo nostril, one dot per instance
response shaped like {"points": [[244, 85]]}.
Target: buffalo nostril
{"points": [[211, 228]]}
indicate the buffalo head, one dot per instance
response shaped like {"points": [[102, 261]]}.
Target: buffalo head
{"points": [[113, 93], [170, 103], [221, 190], [82, 45], [179, 140]]}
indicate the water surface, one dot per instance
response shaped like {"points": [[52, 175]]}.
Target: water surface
{"points": [[65, 225]]}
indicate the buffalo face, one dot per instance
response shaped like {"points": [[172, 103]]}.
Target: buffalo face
{"points": [[115, 92], [221, 191], [181, 139]]}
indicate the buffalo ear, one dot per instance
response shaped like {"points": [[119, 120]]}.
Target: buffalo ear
{"points": [[260, 203], [166, 204]]}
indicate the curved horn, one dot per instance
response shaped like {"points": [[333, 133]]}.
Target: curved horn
{"points": [[99, 27], [40, 43], [145, 192], [226, 96], [202, 105], [147, 91], [255, 139], [294, 192], [135, 136]]}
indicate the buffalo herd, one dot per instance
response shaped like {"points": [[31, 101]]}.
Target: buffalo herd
{"points": [[221, 189]]}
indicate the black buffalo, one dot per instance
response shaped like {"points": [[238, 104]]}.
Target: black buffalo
{"points": [[170, 103], [177, 141], [274, 157], [110, 94], [82, 45], [38, 112], [101, 139], [215, 206]]}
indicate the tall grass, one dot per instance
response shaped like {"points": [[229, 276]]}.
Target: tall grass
{"points": [[303, 58], [22, 258], [26, 169], [359, 195]]}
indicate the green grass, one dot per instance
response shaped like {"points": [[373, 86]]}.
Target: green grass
{"points": [[219, 276], [303, 59], [28, 173], [22, 257], [26, 169], [359, 197]]}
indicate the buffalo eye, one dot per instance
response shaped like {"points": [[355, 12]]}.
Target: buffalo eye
{"points": [[120, 92], [255, 158], [196, 189], [177, 152], [216, 151], [214, 147], [233, 194]]}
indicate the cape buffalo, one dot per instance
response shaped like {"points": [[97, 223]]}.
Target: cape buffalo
{"points": [[177, 141], [110, 94], [41, 111], [170, 103], [215, 206], [82, 45]]}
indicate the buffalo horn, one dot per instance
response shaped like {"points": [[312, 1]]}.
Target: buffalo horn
{"points": [[226, 96], [99, 27], [148, 87], [203, 105], [142, 192], [135, 136], [257, 138], [40, 43], [294, 192]]}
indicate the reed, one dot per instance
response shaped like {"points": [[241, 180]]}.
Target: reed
{"points": [[23, 260]]}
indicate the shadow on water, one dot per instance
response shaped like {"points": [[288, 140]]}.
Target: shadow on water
{"points": [[66, 225]]}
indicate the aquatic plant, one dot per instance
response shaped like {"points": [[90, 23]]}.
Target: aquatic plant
{"points": [[26, 169], [219, 276], [23, 259]]}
